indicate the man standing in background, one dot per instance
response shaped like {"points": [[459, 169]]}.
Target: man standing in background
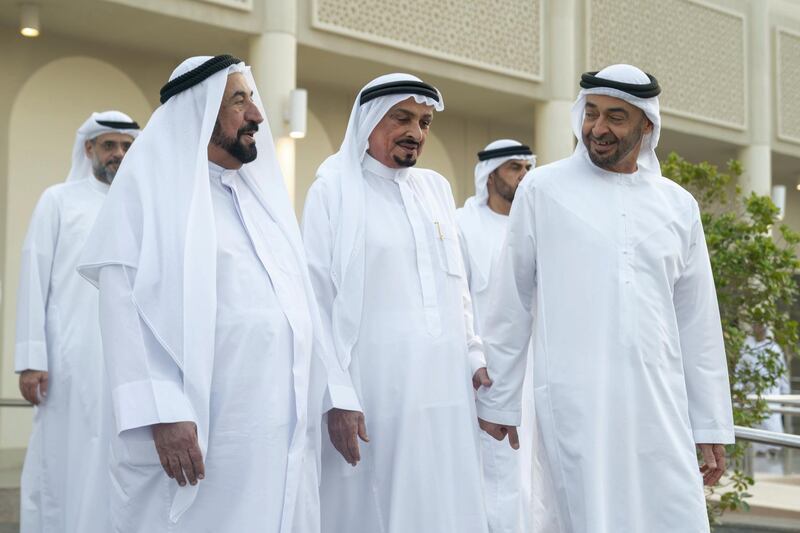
{"points": [[482, 226], [58, 353]]}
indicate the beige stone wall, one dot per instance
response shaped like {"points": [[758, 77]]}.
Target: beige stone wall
{"points": [[503, 36], [787, 64], [696, 49]]}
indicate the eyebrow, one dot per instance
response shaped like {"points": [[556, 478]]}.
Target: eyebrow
{"points": [[609, 110], [241, 93]]}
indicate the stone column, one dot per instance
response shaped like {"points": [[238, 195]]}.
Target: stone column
{"points": [[273, 57], [756, 158], [554, 139]]}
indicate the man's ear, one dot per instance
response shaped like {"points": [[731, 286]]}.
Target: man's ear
{"points": [[88, 148], [648, 128]]}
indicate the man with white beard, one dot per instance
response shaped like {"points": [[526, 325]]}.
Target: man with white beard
{"points": [[384, 257], [606, 269], [482, 226], [208, 320], [58, 350]]}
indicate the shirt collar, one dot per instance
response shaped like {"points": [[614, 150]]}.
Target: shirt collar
{"points": [[372, 165], [225, 175]]}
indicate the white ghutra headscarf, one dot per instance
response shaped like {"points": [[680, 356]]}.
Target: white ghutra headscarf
{"points": [[623, 82], [96, 125], [487, 166]]}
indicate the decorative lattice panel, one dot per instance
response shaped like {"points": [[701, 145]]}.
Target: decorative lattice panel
{"points": [[499, 35], [788, 62], [696, 51]]}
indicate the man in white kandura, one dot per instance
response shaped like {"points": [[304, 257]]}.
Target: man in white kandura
{"points": [[482, 226], [208, 320], [605, 267], [58, 351], [760, 354], [384, 257]]}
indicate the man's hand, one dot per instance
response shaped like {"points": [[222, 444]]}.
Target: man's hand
{"points": [[33, 385], [481, 378], [499, 432], [343, 428], [179, 451], [714, 462]]}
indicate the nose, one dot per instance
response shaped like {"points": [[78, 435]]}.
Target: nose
{"points": [[600, 127], [119, 151], [253, 114]]}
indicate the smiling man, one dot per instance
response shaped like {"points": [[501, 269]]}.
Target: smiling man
{"points": [[208, 320], [384, 257], [605, 267], [58, 350]]}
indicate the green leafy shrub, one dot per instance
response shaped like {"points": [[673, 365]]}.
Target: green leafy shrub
{"points": [[754, 261]]}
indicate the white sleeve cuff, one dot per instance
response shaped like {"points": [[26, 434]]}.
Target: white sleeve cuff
{"points": [[341, 397], [508, 418], [477, 360], [144, 403], [30, 355], [714, 436]]}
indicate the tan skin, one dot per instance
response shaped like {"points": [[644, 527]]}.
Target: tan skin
{"points": [[108, 149], [396, 142], [612, 132], [503, 181], [176, 443]]}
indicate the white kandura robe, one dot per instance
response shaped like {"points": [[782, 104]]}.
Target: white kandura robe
{"points": [[64, 482], [410, 366], [253, 407], [507, 473], [612, 275]]}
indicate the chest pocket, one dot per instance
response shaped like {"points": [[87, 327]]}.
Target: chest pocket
{"points": [[449, 250]]}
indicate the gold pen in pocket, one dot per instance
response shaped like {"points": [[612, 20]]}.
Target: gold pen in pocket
{"points": [[439, 229]]}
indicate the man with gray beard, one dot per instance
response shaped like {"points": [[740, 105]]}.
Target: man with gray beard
{"points": [[58, 352]]}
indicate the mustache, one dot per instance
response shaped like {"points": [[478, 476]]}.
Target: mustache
{"points": [[408, 141], [248, 129], [608, 137]]}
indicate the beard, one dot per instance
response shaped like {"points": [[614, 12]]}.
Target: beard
{"points": [[503, 189], [624, 146], [104, 171], [407, 160], [234, 145]]}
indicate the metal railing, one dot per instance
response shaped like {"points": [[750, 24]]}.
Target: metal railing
{"points": [[14, 402], [761, 436]]}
